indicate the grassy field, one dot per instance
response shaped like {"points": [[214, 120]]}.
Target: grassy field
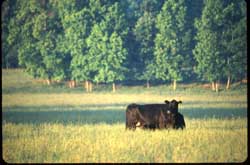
{"points": [[43, 123]]}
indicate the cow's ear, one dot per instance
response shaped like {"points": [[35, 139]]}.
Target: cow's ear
{"points": [[179, 102], [166, 101]]}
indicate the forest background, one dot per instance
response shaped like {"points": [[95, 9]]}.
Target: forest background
{"points": [[126, 41]]}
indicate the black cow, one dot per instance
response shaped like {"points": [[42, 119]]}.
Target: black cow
{"points": [[152, 116]]}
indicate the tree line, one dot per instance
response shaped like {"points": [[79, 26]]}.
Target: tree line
{"points": [[110, 41]]}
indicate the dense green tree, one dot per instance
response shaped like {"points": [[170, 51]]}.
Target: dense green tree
{"points": [[110, 64], [206, 51], [221, 48], [193, 11], [97, 49], [106, 55], [115, 19], [122, 40], [138, 37], [77, 19], [36, 26], [145, 33], [9, 52], [116, 58], [171, 41], [234, 40], [76, 33], [19, 34]]}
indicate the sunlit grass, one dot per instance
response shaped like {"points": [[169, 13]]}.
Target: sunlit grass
{"points": [[202, 141], [100, 99], [43, 123]]}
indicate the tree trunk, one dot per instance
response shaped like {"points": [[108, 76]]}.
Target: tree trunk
{"points": [[73, 83], [87, 85], [213, 86], [174, 85], [148, 85], [90, 86], [113, 87], [217, 86], [48, 81], [228, 82]]}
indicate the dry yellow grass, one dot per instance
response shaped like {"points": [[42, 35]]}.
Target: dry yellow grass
{"points": [[57, 125], [25, 99], [111, 143]]}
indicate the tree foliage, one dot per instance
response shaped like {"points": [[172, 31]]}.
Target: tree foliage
{"points": [[234, 39], [108, 41], [216, 40], [170, 41]]}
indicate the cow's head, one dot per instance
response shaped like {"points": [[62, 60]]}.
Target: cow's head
{"points": [[173, 105], [167, 119]]}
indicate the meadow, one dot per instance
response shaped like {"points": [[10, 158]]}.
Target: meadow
{"points": [[49, 124]]}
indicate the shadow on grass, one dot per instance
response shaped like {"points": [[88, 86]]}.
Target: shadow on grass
{"points": [[41, 89], [96, 115], [213, 102], [219, 113], [85, 114]]}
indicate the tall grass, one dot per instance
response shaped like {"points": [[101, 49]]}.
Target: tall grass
{"points": [[43, 123], [202, 141]]}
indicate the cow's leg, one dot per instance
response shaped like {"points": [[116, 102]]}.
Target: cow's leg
{"points": [[127, 124], [130, 127], [133, 126], [130, 124]]}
